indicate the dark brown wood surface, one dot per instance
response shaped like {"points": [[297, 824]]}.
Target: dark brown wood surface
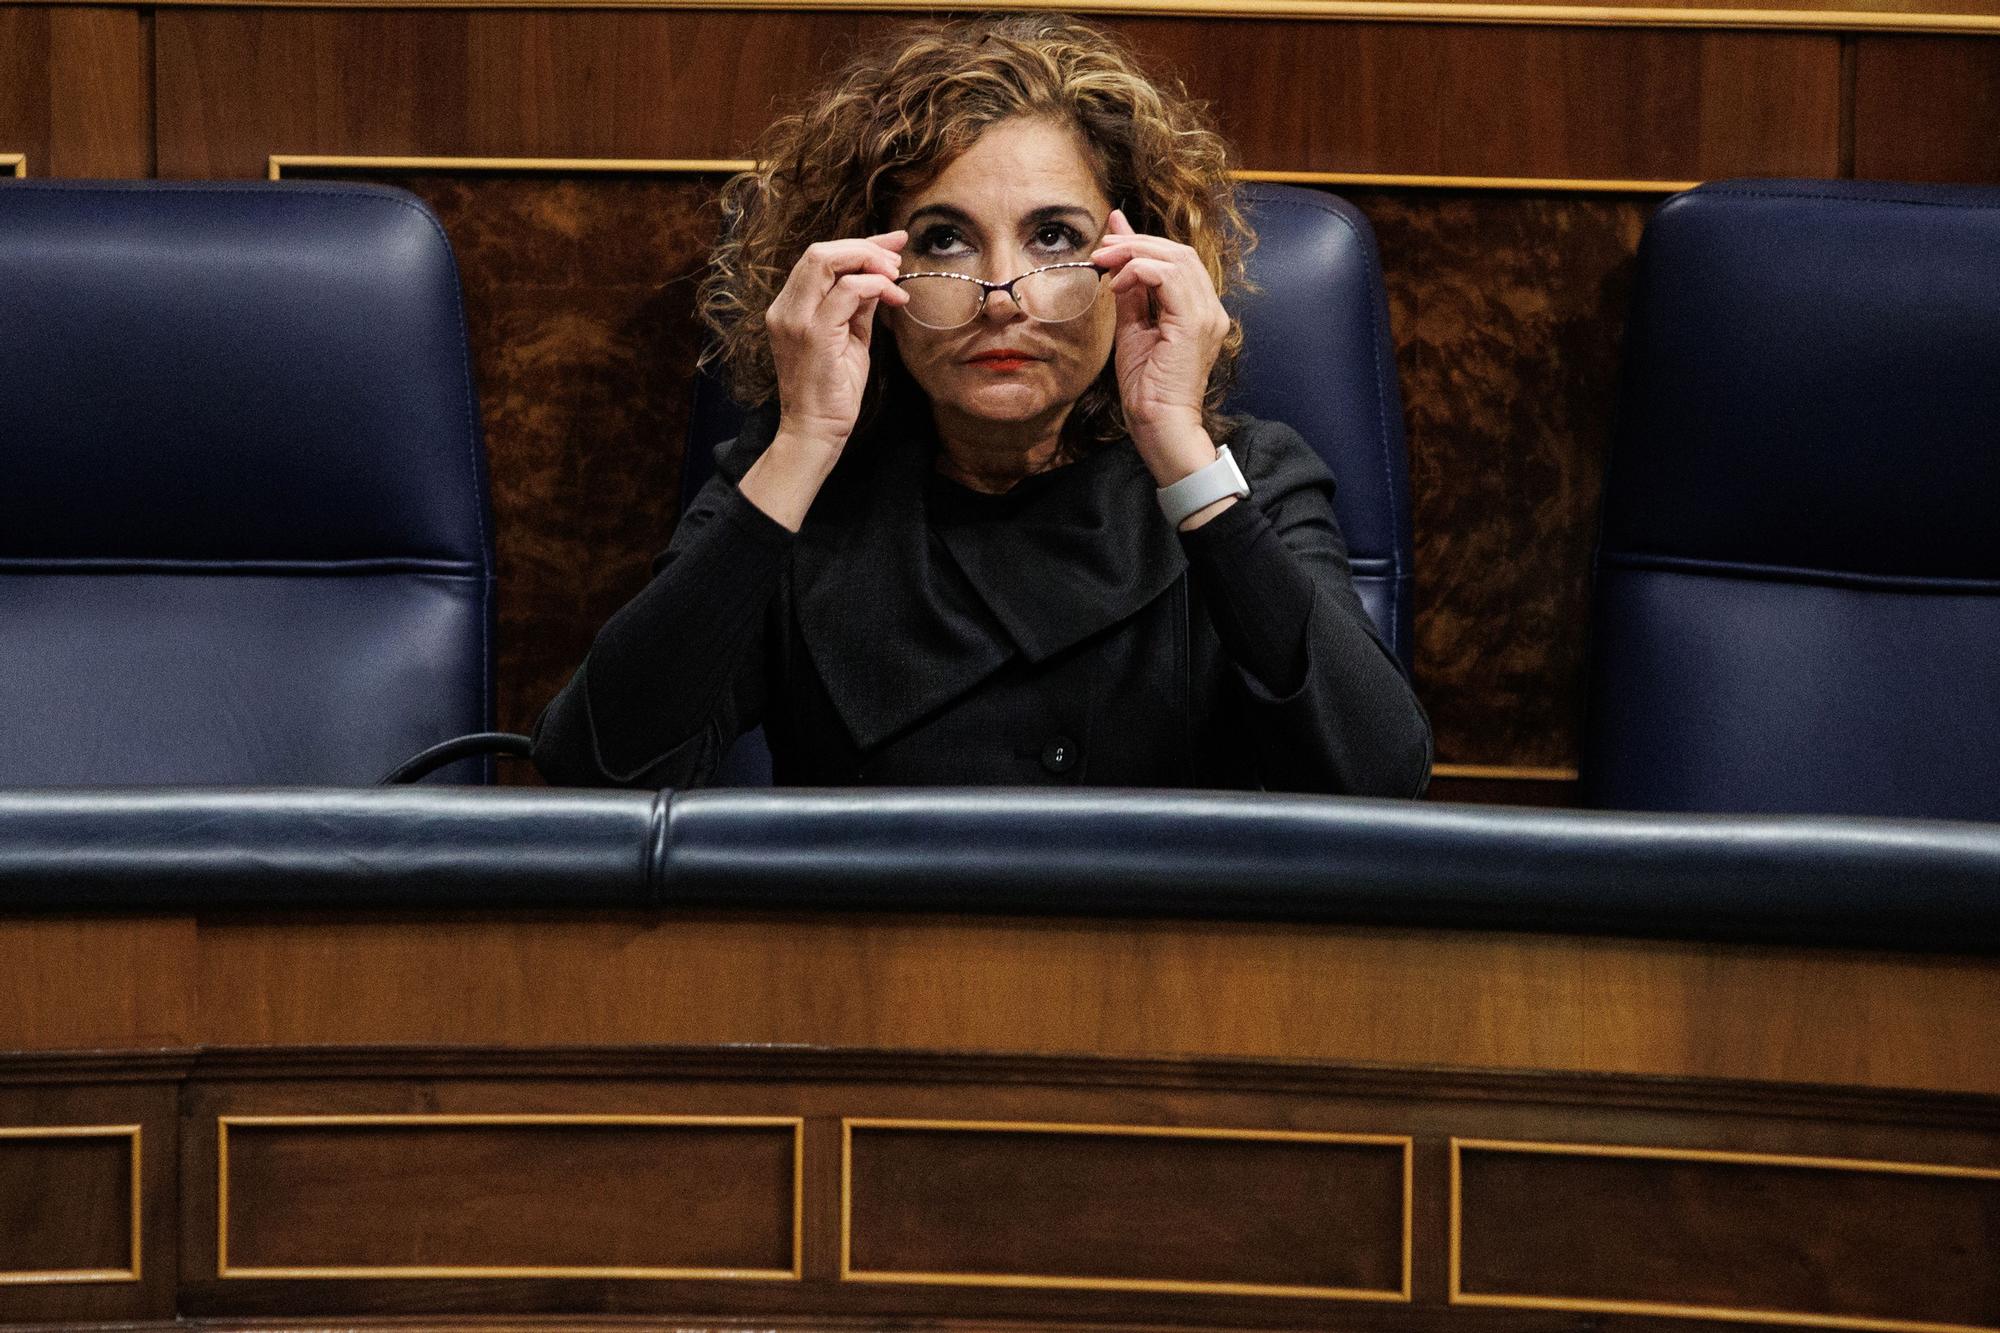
{"points": [[1927, 109], [1854, 1241], [75, 89], [1329, 993]]}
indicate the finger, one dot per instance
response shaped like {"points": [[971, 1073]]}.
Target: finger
{"points": [[1156, 247], [861, 326], [850, 292], [1182, 291], [1135, 302], [826, 261], [1118, 224]]}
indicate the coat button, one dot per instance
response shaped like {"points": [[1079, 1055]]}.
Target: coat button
{"points": [[1059, 755]]}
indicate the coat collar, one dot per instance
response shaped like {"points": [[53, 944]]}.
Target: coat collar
{"points": [[911, 591]]}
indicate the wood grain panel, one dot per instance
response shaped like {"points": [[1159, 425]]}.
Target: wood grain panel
{"points": [[239, 85], [67, 1204], [1508, 311], [1249, 1213], [1730, 1236], [51, 986], [1530, 101], [75, 90], [1927, 109], [72, 1246], [1306, 992], [500, 1196]]}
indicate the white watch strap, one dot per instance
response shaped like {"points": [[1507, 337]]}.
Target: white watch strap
{"points": [[1201, 488]]}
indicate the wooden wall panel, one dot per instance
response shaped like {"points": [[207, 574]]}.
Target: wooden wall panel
{"points": [[239, 85], [1812, 1239], [978, 1204], [499, 1195], [1326, 993], [1927, 109], [1508, 310], [65, 1203], [71, 1218], [1520, 101], [49, 999], [75, 90]]}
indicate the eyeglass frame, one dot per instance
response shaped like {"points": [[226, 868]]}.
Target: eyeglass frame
{"points": [[987, 289]]}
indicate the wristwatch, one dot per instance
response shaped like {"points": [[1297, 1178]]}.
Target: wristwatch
{"points": [[1201, 488]]}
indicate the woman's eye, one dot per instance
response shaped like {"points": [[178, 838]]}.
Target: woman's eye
{"points": [[1053, 236], [942, 241]]}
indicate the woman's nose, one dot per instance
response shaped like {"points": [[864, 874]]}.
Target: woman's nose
{"points": [[1001, 307]]}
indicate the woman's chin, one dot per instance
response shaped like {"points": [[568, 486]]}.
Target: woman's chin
{"points": [[1005, 402]]}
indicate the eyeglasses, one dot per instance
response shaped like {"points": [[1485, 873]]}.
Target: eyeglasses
{"points": [[1052, 294]]}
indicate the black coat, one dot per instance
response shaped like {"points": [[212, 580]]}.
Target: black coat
{"points": [[915, 632]]}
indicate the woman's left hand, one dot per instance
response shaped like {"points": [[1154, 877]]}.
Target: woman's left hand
{"points": [[1170, 328]]}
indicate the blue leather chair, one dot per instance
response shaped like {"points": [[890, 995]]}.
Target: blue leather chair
{"points": [[1317, 356], [1798, 581], [243, 519]]}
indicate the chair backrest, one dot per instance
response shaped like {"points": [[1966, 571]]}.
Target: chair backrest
{"points": [[1317, 356], [243, 523], [1798, 578]]}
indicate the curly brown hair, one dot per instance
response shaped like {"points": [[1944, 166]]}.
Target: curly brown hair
{"points": [[895, 117]]}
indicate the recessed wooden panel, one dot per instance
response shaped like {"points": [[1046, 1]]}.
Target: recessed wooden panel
{"points": [[1512, 101], [1927, 109], [69, 1204], [1508, 310], [508, 1196], [1730, 1236], [239, 85], [1126, 1208]]}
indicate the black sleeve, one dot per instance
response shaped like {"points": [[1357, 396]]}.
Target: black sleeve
{"points": [[1328, 704], [680, 671]]}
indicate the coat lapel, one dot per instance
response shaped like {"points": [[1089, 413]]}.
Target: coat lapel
{"points": [[905, 605]]}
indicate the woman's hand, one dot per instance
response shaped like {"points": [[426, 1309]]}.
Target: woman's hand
{"points": [[1170, 328], [820, 326]]}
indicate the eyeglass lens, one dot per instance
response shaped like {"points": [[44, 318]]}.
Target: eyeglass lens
{"points": [[1051, 295]]}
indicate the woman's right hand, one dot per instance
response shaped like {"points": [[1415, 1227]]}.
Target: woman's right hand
{"points": [[820, 326]]}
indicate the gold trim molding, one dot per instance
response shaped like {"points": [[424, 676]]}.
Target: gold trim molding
{"points": [[1503, 773], [1374, 11], [223, 1268], [15, 164], [848, 1273], [277, 164], [13, 1133], [275, 169], [1525, 1301]]}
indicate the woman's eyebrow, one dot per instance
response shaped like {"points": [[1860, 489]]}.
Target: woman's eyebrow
{"points": [[1045, 213]]}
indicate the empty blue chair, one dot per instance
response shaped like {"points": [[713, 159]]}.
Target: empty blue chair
{"points": [[1798, 583], [243, 518]]}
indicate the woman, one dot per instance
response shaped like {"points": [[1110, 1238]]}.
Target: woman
{"points": [[983, 529]]}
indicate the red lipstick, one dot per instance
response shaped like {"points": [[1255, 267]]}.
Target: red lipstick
{"points": [[1000, 358]]}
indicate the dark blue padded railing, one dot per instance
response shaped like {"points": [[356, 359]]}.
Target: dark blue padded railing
{"points": [[1317, 356], [1872, 883], [243, 522], [1798, 586]]}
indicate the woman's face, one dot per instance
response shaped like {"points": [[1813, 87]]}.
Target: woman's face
{"points": [[1022, 196]]}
